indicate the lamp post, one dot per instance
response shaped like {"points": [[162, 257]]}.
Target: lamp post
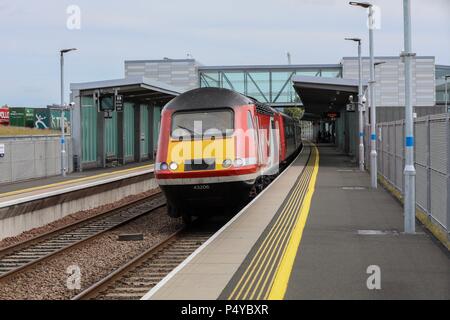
{"points": [[409, 171], [446, 92], [373, 114], [360, 105], [63, 149]]}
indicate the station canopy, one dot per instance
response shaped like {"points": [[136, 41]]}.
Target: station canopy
{"points": [[139, 89], [322, 95]]}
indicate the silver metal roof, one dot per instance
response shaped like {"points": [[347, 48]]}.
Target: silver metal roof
{"points": [[320, 94], [328, 83], [129, 81], [272, 67]]}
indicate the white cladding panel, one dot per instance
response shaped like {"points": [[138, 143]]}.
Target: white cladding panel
{"points": [[390, 80], [179, 73]]}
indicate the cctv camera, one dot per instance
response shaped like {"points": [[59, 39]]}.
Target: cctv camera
{"points": [[364, 99], [72, 104]]}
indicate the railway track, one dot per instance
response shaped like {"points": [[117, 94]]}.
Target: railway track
{"points": [[26, 254], [134, 279]]}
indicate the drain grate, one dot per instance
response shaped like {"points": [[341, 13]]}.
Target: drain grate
{"points": [[354, 188], [377, 232]]}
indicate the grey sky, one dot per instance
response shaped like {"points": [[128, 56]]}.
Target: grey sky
{"points": [[214, 32]]}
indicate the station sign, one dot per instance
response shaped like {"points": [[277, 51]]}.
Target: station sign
{"points": [[118, 102], [333, 115], [106, 103]]}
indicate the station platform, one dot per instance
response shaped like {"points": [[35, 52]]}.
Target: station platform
{"points": [[317, 232], [32, 204], [38, 188]]}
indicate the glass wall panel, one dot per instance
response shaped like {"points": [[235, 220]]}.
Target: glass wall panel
{"points": [[271, 85]]}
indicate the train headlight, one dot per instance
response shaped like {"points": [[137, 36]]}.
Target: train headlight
{"points": [[164, 166], [173, 166], [238, 162], [227, 163]]}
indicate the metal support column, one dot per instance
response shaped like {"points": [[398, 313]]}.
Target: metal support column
{"points": [[373, 112], [360, 110], [410, 171], [120, 138], [137, 132], [151, 130]]}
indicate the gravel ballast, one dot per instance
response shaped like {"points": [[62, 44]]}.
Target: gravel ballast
{"points": [[73, 218], [95, 260]]}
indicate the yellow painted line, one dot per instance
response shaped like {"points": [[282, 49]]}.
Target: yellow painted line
{"points": [[267, 241], [272, 244], [283, 273], [257, 258], [284, 234], [280, 239], [11, 193], [260, 253], [272, 265]]}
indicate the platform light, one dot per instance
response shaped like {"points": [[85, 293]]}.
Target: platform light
{"points": [[409, 173], [446, 77], [360, 4], [163, 166], [63, 149], [173, 166], [360, 105], [227, 163], [238, 162], [373, 113]]}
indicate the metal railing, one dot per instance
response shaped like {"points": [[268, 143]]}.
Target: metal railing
{"points": [[432, 162]]}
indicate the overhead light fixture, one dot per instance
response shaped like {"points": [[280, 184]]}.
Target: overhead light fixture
{"points": [[360, 4]]}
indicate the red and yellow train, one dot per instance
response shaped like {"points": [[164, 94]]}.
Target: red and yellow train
{"points": [[218, 147]]}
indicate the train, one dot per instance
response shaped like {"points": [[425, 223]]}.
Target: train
{"points": [[218, 148]]}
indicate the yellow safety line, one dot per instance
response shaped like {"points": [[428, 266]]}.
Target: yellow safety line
{"points": [[262, 249], [11, 193], [284, 234], [281, 237], [272, 264], [287, 237], [284, 270], [260, 254], [273, 244]]}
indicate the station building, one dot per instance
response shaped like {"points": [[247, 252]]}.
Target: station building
{"points": [[102, 139]]}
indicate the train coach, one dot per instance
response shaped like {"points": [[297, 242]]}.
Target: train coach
{"points": [[217, 148]]}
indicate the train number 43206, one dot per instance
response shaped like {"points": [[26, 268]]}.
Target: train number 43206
{"points": [[201, 187]]}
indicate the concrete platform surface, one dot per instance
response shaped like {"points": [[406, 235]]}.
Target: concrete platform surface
{"points": [[353, 232], [36, 187]]}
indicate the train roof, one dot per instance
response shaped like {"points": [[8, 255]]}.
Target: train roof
{"points": [[210, 98], [215, 98]]}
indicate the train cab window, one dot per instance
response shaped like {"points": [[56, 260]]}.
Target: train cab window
{"points": [[249, 120], [201, 123]]}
